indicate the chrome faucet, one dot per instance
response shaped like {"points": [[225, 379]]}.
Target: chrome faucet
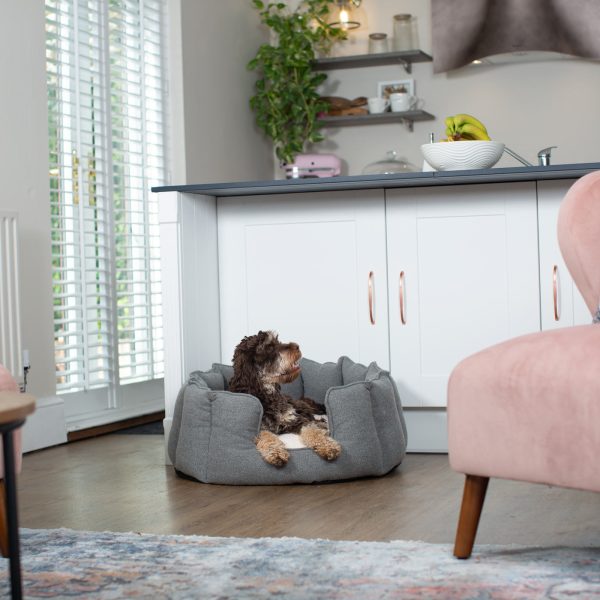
{"points": [[543, 156]]}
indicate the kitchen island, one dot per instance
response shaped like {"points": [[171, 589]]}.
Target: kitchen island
{"points": [[414, 271]]}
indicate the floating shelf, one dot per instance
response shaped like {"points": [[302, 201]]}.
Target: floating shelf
{"points": [[408, 118], [405, 58]]}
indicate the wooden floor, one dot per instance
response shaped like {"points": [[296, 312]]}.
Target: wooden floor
{"points": [[120, 483]]}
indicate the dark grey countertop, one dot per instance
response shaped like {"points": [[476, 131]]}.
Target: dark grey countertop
{"points": [[361, 182]]}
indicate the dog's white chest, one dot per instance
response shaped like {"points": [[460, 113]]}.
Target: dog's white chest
{"points": [[293, 440]]}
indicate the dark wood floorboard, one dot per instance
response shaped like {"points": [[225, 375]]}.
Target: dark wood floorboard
{"points": [[120, 483]]}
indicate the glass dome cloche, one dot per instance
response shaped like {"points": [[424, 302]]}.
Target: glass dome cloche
{"points": [[390, 164]]}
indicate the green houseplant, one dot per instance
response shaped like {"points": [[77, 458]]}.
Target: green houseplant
{"points": [[286, 102]]}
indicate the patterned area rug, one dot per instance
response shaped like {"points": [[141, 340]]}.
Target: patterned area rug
{"points": [[63, 563]]}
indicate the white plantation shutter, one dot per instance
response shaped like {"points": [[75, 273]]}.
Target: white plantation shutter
{"points": [[138, 162], [105, 90]]}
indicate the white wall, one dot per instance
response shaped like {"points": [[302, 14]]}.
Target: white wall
{"points": [[527, 105], [222, 142], [24, 169]]}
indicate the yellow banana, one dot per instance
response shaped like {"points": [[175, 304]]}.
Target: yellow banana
{"points": [[464, 119], [449, 125], [472, 132], [465, 127]]}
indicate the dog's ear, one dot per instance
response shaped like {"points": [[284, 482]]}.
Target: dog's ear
{"points": [[256, 345], [248, 343], [260, 348], [266, 346], [244, 352]]}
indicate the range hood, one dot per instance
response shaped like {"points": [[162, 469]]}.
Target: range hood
{"points": [[518, 57], [500, 31]]}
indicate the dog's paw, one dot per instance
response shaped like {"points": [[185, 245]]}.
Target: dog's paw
{"points": [[329, 449], [276, 456], [271, 448], [317, 439]]}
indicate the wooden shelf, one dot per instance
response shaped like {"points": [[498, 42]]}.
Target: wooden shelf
{"points": [[404, 58], [407, 118]]}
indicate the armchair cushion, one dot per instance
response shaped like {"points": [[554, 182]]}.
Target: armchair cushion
{"points": [[513, 409]]}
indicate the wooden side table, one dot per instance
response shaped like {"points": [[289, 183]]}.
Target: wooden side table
{"points": [[14, 408]]}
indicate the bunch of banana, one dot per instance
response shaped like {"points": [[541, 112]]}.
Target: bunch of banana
{"points": [[465, 127]]}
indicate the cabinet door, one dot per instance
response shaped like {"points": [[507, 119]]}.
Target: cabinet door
{"points": [[310, 266], [561, 303], [463, 267]]}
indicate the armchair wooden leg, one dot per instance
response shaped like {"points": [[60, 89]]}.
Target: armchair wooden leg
{"points": [[3, 525], [470, 511]]}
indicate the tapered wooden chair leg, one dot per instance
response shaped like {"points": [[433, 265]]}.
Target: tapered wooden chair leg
{"points": [[3, 525], [470, 511]]}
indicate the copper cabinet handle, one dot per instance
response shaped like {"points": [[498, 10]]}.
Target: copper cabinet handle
{"points": [[401, 297], [371, 317], [555, 292]]}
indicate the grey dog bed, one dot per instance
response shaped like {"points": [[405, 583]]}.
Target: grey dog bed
{"points": [[213, 430]]}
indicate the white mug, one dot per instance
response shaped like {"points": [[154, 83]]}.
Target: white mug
{"points": [[402, 102], [377, 105]]}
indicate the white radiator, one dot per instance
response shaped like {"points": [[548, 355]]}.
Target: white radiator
{"points": [[10, 322]]}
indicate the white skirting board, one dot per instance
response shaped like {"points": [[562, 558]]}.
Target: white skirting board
{"points": [[46, 426], [427, 429], [112, 415]]}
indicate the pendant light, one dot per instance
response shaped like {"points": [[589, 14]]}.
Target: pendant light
{"points": [[345, 20]]}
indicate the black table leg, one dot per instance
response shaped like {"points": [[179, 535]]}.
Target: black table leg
{"points": [[12, 521]]}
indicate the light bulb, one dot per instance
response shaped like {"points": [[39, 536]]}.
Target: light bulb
{"points": [[344, 18]]}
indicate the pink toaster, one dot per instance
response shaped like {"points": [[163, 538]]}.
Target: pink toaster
{"points": [[313, 165]]}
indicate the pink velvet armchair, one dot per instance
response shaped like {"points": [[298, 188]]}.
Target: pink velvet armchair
{"points": [[529, 408]]}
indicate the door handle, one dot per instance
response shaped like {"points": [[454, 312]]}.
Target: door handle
{"points": [[401, 298], [555, 292], [92, 186], [75, 176], [370, 288]]}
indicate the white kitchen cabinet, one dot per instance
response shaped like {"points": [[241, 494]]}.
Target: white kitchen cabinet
{"points": [[560, 301], [310, 266], [463, 275]]}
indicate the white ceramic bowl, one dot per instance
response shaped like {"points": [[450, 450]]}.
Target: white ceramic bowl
{"points": [[451, 156]]}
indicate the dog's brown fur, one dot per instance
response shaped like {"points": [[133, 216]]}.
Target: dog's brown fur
{"points": [[261, 363]]}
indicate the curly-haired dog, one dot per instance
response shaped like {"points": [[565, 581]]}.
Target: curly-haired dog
{"points": [[261, 363]]}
